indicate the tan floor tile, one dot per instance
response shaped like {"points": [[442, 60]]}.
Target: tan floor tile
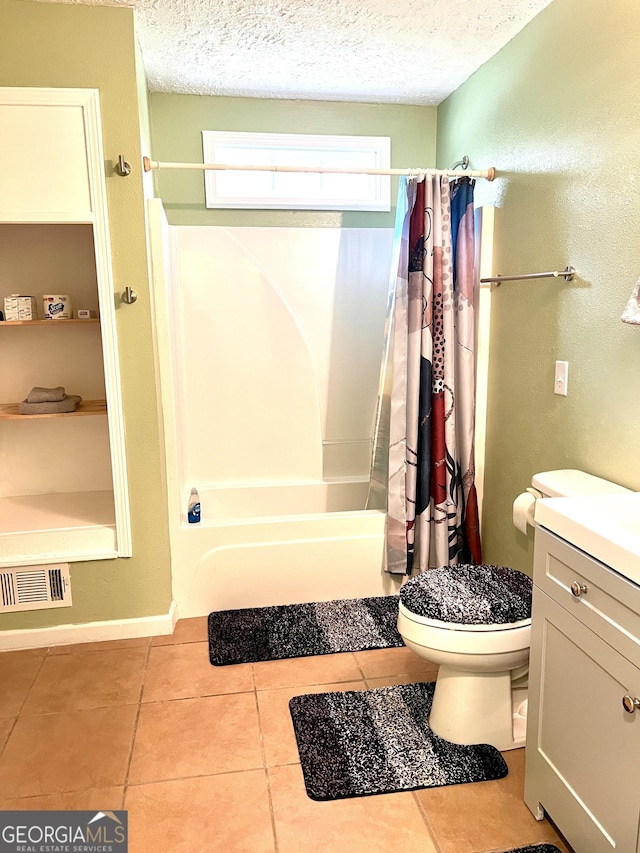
{"points": [[17, 672], [183, 671], [390, 822], [187, 631], [278, 736], [295, 672], [51, 753], [196, 737], [380, 662], [6, 724], [83, 680], [95, 798], [213, 813], [485, 815], [104, 646]]}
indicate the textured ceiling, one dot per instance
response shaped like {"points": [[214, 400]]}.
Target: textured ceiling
{"points": [[379, 51]]}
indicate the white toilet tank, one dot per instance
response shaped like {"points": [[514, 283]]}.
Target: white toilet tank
{"points": [[569, 482], [563, 483]]}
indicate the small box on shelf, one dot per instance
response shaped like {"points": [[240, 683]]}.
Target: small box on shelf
{"points": [[85, 314], [18, 307]]}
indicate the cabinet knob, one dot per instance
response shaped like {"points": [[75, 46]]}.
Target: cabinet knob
{"points": [[578, 589], [630, 703]]}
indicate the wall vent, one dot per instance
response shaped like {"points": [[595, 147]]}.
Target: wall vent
{"points": [[35, 588]]}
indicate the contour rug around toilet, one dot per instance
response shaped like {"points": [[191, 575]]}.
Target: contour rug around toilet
{"points": [[475, 622]]}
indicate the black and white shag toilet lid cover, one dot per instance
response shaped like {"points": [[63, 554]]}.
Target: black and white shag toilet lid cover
{"points": [[470, 595]]}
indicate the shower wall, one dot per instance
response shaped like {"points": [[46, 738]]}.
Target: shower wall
{"points": [[278, 338]]}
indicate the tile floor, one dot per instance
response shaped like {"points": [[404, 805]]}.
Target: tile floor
{"points": [[204, 758]]}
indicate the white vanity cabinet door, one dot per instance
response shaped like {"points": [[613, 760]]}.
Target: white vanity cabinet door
{"points": [[583, 748]]}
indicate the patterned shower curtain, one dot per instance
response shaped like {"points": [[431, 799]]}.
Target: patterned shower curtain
{"points": [[423, 447]]}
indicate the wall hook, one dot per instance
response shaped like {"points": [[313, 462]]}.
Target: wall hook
{"points": [[129, 296], [122, 168]]}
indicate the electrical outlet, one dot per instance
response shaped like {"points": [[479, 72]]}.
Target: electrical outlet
{"points": [[561, 381]]}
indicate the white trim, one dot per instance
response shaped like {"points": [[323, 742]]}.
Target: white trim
{"points": [[98, 191], [159, 253], [378, 197], [63, 555], [485, 225], [88, 100], [90, 632], [12, 217]]}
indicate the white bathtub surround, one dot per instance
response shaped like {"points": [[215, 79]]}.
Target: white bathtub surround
{"points": [[288, 548], [269, 344], [277, 345]]}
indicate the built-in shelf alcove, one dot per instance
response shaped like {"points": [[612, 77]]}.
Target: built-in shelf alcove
{"points": [[56, 491], [63, 483]]}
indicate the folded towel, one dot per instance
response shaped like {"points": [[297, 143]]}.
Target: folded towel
{"points": [[631, 313], [46, 395], [60, 407]]}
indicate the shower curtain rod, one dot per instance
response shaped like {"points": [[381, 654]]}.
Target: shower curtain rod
{"points": [[489, 174]]}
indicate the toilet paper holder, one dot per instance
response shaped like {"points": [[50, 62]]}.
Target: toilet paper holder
{"points": [[523, 509]]}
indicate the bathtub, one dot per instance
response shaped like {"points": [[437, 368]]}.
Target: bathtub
{"points": [[279, 543]]}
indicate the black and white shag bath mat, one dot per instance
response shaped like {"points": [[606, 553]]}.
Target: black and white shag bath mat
{"points": [[299, 630], [362, 742], [535, 848]]}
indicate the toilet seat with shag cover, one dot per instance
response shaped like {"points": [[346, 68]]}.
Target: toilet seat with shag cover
{"points": [[468, 597], [474, 622]]}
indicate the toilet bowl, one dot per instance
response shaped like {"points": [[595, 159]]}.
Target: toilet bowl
{"points": [[475, 622], [483, 664]]}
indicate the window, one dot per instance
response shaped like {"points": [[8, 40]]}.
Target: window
{"points": [[296, 190]]}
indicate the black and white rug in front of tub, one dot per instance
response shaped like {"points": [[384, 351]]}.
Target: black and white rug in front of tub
{"points": [[361, 742], [299, 630]]}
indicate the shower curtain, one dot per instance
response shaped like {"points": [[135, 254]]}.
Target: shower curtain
{"points": [[422, 468]]}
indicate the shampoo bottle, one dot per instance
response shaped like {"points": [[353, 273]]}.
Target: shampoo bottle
{"points": [[193, 512]]}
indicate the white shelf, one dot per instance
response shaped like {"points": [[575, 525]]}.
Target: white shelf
{"points": [[53, 528], [51, 323], [11, 411]]}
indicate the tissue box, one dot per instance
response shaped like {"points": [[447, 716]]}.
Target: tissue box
{"points": [[17, 307]]}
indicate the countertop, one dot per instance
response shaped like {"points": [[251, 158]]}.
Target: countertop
{"points": [[605, 526]]}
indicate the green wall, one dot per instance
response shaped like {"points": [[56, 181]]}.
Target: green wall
{"points": [[177, 122], [557, 111], [43, 44]]}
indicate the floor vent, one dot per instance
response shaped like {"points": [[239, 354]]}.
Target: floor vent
{"points": [[35, 588]]}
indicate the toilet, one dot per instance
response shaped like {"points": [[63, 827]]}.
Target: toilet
{"points": [[475, 622]]}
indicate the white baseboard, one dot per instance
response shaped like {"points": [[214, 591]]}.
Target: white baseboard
{"points": [[90, 632]]}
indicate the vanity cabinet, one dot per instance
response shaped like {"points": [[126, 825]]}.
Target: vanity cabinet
{"points": [[583, 744], [63, 481]]}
